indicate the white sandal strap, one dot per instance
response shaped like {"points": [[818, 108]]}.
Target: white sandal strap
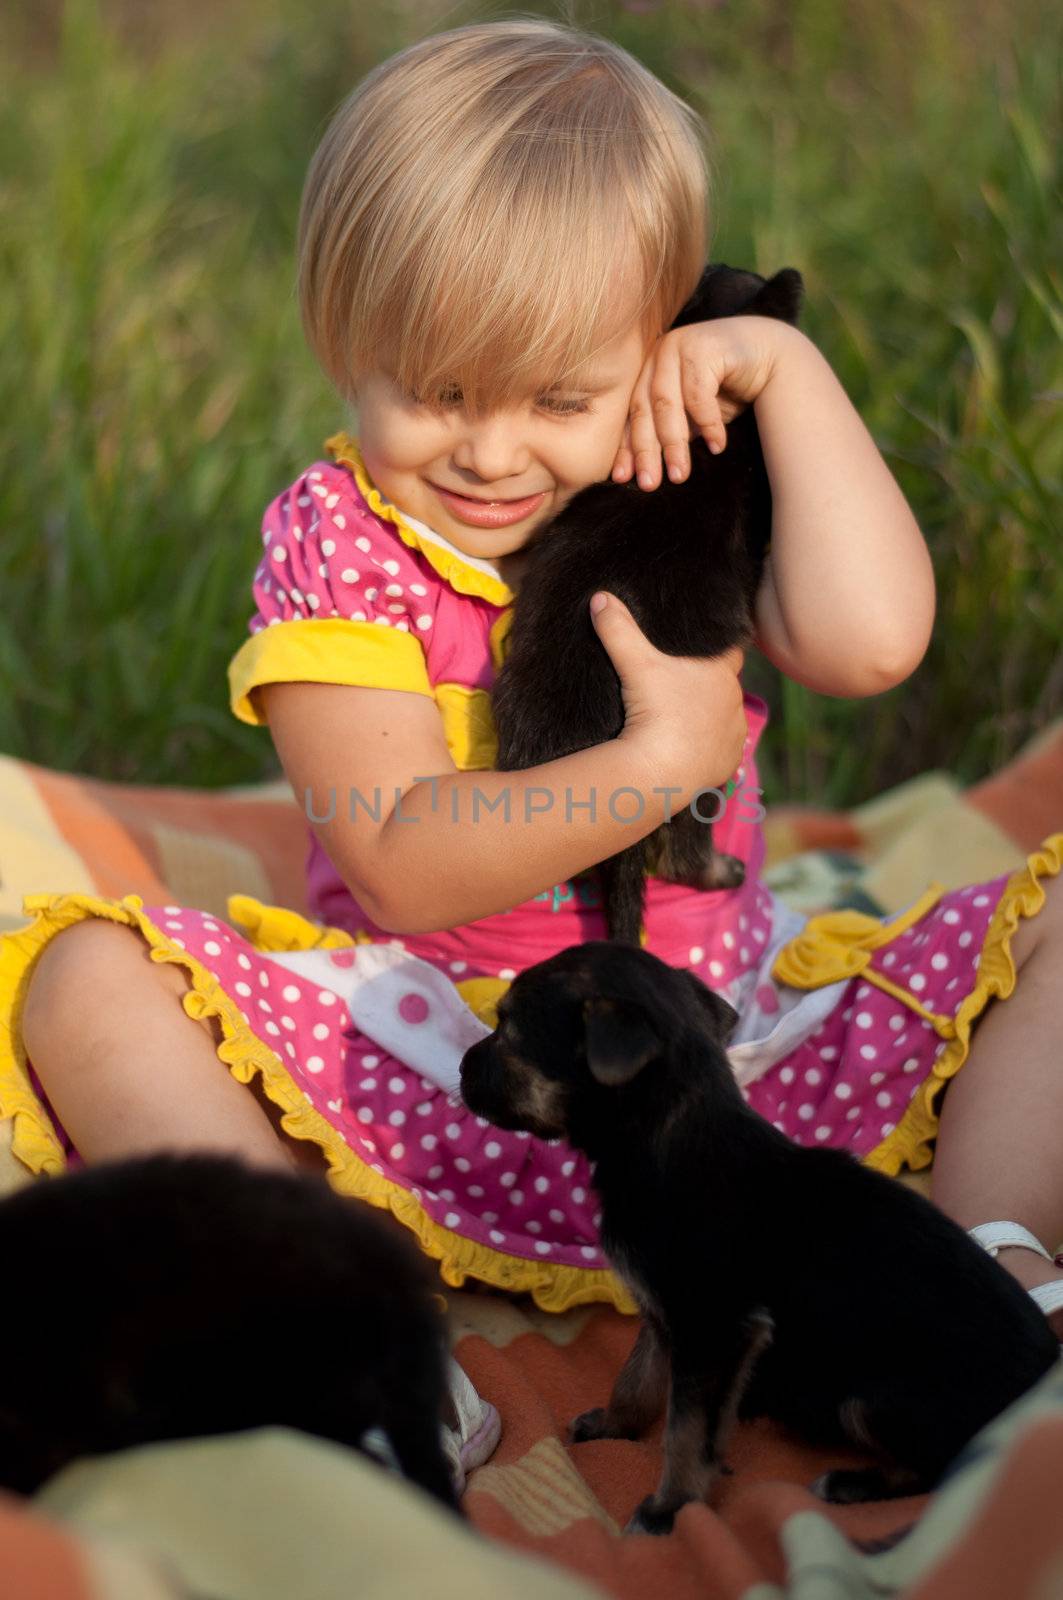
{"points": [[996, 1236], [1049, 1296]]}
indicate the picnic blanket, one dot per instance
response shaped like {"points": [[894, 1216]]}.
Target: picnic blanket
{"points": [[276, 1515], [764, 1535]]}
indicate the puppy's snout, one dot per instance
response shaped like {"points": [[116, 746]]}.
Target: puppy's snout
{"points": [[476, 1071], [484, 1082], [508, 1091]]}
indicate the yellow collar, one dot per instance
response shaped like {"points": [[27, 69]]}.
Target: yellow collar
{"points": [[448, 563]]}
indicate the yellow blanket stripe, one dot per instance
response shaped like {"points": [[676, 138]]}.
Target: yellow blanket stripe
{"points": [[553, 1287]]}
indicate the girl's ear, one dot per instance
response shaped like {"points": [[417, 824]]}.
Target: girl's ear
{"points": [[620, 1040]]}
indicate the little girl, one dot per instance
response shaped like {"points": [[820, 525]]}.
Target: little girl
{"points": [[497, 229]]}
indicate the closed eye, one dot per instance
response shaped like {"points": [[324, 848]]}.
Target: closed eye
{"points": [[452, 397], [566, 408]]}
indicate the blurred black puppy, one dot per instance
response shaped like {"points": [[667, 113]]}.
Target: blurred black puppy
{"points": [[170, 1297], [687, 561], [774, 1280]]}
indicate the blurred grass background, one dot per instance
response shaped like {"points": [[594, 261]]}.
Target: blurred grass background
{"points": [[157, 392]]}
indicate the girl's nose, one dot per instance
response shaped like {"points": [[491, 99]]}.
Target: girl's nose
{"points": [[492, 449]]}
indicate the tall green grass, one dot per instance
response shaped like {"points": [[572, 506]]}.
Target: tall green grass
{"points": [[156, 391]]}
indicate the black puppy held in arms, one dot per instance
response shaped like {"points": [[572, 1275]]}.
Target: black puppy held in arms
{"points": [[774, 1280], [687, 560], [203, 1296]]}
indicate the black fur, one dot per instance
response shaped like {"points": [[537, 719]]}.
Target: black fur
{"points": [[170, 1297], [774, 1279], [686, 558]]}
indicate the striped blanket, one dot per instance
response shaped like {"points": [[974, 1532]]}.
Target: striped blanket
{"points": [[994, 1530]]}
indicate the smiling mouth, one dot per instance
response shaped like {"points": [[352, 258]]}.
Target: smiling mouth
{"points": [[481, 501]]}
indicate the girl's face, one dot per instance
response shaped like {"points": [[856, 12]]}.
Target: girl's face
{"points": [[555, 443]]}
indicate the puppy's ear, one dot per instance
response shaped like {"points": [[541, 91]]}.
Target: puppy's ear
{"points": [[619, 1040], [721, 1015], [728, 292], [721, 292], [780, 297]]}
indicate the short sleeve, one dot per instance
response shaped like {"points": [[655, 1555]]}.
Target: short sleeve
{"points": [[338, 598]]}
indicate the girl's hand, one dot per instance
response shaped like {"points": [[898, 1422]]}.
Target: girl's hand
{"points": [[684, 714], [697, 378]]}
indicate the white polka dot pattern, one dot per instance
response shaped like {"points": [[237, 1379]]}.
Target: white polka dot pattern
{"points": [[847, 1086], [851, 1082], [527, 1197], [326, 555]]}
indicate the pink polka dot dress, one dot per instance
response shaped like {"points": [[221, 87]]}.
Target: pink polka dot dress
{"points": [[849, 1026]]}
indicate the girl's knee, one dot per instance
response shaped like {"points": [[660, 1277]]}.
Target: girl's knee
{"points": [[1052, 910], [1045, 925], [76, 975]]}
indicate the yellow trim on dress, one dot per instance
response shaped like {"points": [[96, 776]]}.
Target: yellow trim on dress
{"points": [[468, 726], [35, 1143], [306, 652], [451, 568], [468, 716], [324, 650], [498, 638], [838, 945], [368, 655]]}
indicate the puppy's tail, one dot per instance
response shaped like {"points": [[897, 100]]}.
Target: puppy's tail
{"points": [[623, 882]]}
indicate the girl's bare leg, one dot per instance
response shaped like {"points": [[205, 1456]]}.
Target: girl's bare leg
{"points": [[999, 1143], [127, 1070]]}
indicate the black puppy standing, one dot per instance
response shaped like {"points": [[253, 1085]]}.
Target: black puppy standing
{"points": [[687, 561], [774, 1280]]}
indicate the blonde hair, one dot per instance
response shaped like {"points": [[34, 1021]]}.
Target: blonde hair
{"points": [[492, 205]]}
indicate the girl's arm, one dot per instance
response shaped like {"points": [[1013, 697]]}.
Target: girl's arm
{"points": [[429, 859], [846, 605]]}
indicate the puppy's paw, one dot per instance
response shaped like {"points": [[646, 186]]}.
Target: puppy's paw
{"points": [[588, 1425], [651, 1517], [850, 1486], [602, 1424]]}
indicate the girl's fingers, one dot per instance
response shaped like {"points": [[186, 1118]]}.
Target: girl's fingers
{"points": [[624, 465], [659, 419], [711, 426], [644, 450], [701, 392], [676, 398]]}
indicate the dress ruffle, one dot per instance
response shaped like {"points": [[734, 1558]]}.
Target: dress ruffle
{"points": [[829, 947], [839, 944], [35, 1142], [461, 575]]}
